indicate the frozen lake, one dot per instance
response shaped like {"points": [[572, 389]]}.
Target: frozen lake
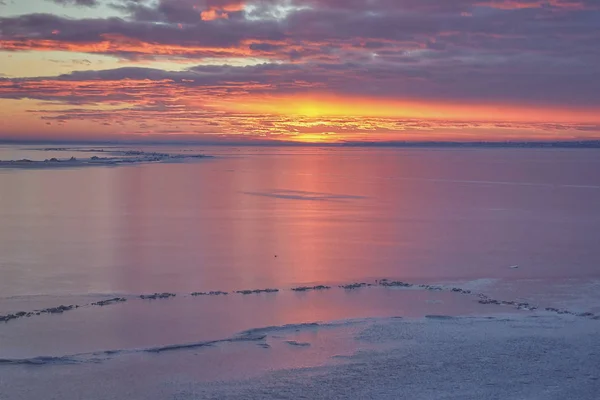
{"points": [[513, 231]]}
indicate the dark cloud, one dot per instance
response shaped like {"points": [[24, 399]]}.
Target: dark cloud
{"points": [[181, 22], [514, 81]]}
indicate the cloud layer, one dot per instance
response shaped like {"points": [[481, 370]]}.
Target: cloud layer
{"points": [[512, 54]]}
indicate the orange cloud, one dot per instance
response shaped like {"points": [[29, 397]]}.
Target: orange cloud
{"points": [[115, 44], [144, 107], [325, 105], [221, 12]]}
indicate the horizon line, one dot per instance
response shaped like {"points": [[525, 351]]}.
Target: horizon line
{"points": [[573, 143]]}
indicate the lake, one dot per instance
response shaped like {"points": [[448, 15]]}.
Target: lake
{"points": [[518, 225]]}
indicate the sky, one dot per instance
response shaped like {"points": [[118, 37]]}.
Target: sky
{"points": [[300, 70]]}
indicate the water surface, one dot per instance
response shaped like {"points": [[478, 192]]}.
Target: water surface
{"points": [[517, 225], [284, 216]]}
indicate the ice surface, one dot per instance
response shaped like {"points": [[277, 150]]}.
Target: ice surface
{"points": [[482, 298], [510, 357], [443, 226], [117, 157], [541, 358]]}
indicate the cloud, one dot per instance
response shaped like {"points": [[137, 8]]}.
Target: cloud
{"points": [[515, 80], [418, 24], [83, 3], [528, 54]]}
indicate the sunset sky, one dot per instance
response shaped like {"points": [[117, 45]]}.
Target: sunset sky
{"points": [[301, 70]]}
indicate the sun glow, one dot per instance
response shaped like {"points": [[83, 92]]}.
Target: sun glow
{"points": [[324, 106]]}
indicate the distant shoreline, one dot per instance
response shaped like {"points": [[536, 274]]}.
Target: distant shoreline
{"points": [[579, 144], [126, 158]]}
